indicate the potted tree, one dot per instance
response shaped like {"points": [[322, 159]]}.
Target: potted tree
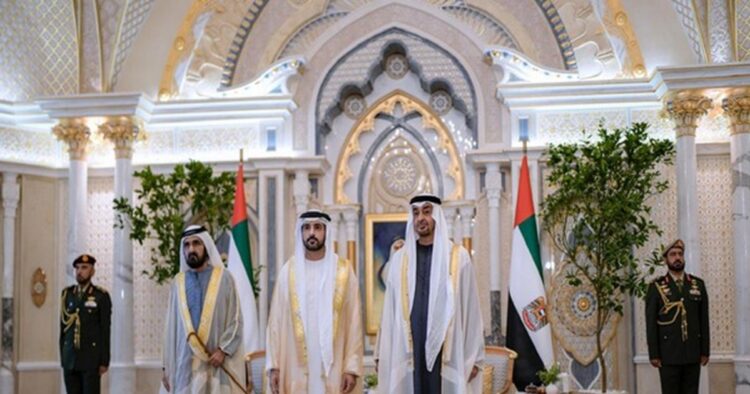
{"points": [[598, 214], [167, 203]]}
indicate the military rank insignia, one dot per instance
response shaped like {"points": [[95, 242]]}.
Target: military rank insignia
{"points": [[694, 290], [90, 303]]}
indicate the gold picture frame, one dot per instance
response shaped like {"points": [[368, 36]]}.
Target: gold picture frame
{"points": [[381, 229]]}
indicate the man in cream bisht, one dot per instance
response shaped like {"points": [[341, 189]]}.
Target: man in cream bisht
{"points": [[314, 336], [202, 300], [432, 336]]}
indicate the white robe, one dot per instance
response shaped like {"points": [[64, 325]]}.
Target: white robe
{"points": [[284, 351], [465, 338], [187, 370]]}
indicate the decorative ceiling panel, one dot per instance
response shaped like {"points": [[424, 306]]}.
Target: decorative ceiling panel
{"points": [[742, 18], [719, 33], [38, 49], [135, 15], [689, 22]]}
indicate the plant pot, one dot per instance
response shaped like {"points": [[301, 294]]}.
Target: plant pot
{"points": [[552, 389]]}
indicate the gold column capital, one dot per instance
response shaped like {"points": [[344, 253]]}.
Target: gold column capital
{"points": [[75, 133], [123, 131], [737, 108], [686, 109]]}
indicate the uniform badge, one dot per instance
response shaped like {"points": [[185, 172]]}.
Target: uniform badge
{"points": [[90, 303], [535, 314]]}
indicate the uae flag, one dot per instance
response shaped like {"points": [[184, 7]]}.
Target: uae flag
{"points": [[528, 331], [241, 267]]}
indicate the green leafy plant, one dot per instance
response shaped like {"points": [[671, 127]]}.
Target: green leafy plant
{"points": [[191, 194], [598, 214], [371, 381], [549, 376]]}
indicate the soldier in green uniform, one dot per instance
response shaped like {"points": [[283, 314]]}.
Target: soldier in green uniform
{"points": [[677, 324], [85, 315]]}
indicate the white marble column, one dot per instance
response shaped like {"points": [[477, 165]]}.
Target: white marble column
{"points": [[493, 186], [301, 190], [122, 131], [737, 108], [351, 219], [686, 110], [335, 222], [75, 133], [450, 212], [11, 193], [467, 217]]}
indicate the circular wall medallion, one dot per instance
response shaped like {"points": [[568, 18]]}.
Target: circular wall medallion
{"points": [[583, 304], [575, 306], [400, 175], [441, 102], [354, 106], [396, 66]]}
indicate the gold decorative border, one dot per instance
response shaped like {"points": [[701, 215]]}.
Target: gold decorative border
{"points": [[372, 323], [617, 20], [178, 51], [366, 123]]}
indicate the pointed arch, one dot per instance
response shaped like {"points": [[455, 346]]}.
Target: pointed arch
{"points": [[365, 124]]}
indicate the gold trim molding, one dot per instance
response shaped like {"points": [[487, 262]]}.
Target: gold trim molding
{"points": [[686, 109], [366, 123], [618, 24], [178, 51], [737, 108], [75, 133]]}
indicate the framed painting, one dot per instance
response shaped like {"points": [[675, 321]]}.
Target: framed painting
{"points": [[384, 234]]}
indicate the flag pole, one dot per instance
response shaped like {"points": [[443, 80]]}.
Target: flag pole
{"points": [[241, 155]]}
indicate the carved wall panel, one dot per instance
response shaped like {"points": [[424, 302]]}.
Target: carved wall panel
{"points": [[717, 246], [148, 315], [558, 127], [23, 146], [100, 221]]}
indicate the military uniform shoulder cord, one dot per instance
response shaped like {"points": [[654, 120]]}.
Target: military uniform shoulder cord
{"points": [[70, 319], [680, 310]]}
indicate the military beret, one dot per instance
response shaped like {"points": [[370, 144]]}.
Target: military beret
{"points": [[84, 258], [677, 244]]}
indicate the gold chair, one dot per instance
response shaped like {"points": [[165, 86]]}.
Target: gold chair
{"points": [[255, 370], [498, 372]]}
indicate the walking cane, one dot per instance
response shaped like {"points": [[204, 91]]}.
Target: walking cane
{"points": [[234, 380]]}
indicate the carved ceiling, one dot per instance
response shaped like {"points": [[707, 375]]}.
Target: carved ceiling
{"points": [[224, 43], [43, 54]]}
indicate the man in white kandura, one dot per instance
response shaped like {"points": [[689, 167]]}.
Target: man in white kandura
{"points": [[432, 334], [314, 336], [203, 337]]}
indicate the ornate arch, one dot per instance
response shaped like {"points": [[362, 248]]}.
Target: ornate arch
{"points": [[387, 105], [339, 78]]}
